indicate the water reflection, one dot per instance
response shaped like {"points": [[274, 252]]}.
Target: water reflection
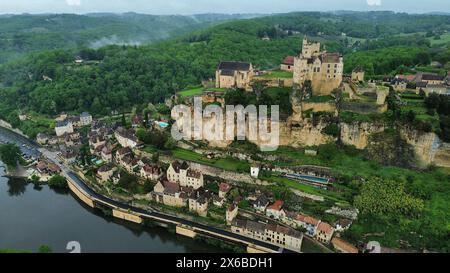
{"points": [[17, 187]]}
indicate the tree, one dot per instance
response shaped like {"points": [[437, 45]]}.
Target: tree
{"points": [[45, 249], [155, 157], [10, 154], [124, 121], [387, 197], [58, 181]]}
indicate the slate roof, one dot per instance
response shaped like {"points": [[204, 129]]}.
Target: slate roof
{"points": [[234, 66], [431, 77], [177, 166]]}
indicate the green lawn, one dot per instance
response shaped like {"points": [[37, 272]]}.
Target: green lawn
{"points": [[229, 164], [217, 89], [307, 188], [277, 74], [191, 92]]}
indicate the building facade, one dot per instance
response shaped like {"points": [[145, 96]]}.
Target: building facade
{"points": [[324, 70], [182, 174], [234, 74]]}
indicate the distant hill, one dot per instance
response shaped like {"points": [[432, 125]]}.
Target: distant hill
{"points": [[27, 33]]}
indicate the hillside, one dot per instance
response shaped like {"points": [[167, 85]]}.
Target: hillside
{"points": [[116, 78], [20, 34]]}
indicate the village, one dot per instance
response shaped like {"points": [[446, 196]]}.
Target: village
{"points": [[113, 157]]}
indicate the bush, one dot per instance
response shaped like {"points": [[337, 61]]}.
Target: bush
{"points": [[58, 181], [332, 130]]}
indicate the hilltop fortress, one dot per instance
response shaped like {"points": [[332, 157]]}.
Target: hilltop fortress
{"points": [[324, 70], [325, 73]]}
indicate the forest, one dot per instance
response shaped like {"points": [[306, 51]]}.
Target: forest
{"points": [[114, 78], [22, 34]]}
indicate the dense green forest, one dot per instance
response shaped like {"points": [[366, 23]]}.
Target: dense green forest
{"points": [[20, 34], [117, 77]]}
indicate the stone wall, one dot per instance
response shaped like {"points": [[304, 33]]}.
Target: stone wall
{"points": [[319, 107], [8, 126]]}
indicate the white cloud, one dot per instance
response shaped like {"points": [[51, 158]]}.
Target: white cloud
{"points": [[374, 2], [73, 2]]}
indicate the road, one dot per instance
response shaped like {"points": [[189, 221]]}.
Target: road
{"points": [[149, 213]]}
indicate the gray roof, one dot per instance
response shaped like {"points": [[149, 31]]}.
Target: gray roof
{"points": [[233, 66], [62, 123], [85, 114]]}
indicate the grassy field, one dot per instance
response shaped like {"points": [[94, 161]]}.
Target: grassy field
{"points": [[229, 164], [277, 74], [191, 92], [445, 39]]}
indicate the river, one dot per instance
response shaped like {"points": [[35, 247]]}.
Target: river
{"points": [[32, 216]]}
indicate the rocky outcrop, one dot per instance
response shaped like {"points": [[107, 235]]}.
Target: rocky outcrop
{"points": [[357, 133]]}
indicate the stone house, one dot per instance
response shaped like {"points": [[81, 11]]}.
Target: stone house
{"points": [[42, 138], [307, 222], [358, 74], [324, 232], [275, 210], [234, 74], [106, 154], [284, 236], [231, 213], [261, 203], [342, 225], [127, 138], [182, 174], [63, 127], [433, 79], [85, 119], [275, 234], [151, 172], [288, 64], [169, 194], [105, 172], [224, 188], [199, 204]]}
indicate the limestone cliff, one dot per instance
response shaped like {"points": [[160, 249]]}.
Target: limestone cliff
{"points": [[357, 133]]}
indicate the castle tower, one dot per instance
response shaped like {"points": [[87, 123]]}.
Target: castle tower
{"points": [[309, 49]]}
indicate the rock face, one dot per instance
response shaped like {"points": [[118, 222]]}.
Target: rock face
{"points": [[357, 133], [428, 148]]}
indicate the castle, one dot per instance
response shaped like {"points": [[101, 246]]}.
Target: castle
{"points": [[324, 70]]}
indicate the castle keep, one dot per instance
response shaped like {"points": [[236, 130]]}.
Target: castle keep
{"points": [[323, 69]]}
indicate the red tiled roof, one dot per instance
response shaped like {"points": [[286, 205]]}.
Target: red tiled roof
{"points": [[325, 227], [307, 219], [224, 187], [289, 60], [276, 206]]}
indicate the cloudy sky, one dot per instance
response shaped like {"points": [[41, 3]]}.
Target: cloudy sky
{"points": [[217, 6]]}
